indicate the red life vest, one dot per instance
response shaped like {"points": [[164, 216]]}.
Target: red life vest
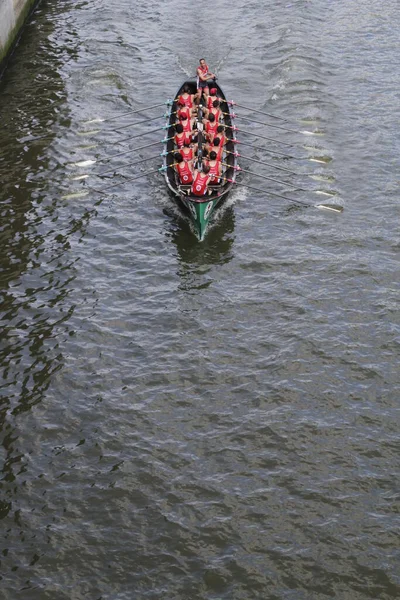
{"points": [[184, 172], [199, 186]]}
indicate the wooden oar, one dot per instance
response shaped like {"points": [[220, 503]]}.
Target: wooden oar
{"points": [[131, 112], [89, 162], [296, 187], [332, 207]]}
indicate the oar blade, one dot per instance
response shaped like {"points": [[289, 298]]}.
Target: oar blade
{"points": [[332, 207]]}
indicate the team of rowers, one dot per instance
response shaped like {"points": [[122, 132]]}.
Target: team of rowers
{"points": [[199, 165]]}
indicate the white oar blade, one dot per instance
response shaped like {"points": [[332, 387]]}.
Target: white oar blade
{"points": [[79, 177], [84, 163], [89, 132], [332, 207], [97, 120], [325, 193], [74, 195], [316, 132]]}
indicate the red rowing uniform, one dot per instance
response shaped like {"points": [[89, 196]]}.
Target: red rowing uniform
{"points": [[185, 173], [214, 171], [211, 128], [181, 138], [210, 101], [186, 101], [186, 153], [199, 186], [187, 125], [183, 112]]}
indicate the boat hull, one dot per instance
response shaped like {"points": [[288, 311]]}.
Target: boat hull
{"points": [[200, 209]]}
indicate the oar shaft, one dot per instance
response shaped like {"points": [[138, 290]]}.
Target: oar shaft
{"points": [[124, 165], [138, 122], [267, 124], [109, 187], [263, 137], [267, 178], [258, 111], [132, 112], [133, 150], [142, 134], [271, 165], [265, 149]]}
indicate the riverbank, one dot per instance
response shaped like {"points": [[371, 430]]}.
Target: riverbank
{"points": [[13, 14]]}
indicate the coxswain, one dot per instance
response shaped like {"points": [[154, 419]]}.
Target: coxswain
{"points": [[215, 167], [181, 136], [184, 169], [203, 78], [201, 181]]}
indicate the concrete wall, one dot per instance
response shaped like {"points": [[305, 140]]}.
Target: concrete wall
{"points": [[13, 14]]}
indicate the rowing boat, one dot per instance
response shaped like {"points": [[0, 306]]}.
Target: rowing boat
{"points": [[200, 208]]}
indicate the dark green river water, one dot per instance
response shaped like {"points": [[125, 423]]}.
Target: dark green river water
{"points": [[201, 421]]}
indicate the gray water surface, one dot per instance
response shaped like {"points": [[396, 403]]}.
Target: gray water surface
{"points": [[217, 420]]}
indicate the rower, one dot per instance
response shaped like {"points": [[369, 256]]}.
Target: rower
{"points": [[216, 146], [211, 97], [184, 169], [214, 110], [201, 181], [187, 151], [210, 127], [215, 168], [186, 98], [181, 136]]}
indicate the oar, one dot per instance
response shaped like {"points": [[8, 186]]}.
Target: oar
{"points": [[89, 162], [131, 112], [332, 207], [109, 187], [304, 132], [296, 187], [234, 128], [165, 115], [232, 103], [235, 141], [133, 164], [271, 165]]}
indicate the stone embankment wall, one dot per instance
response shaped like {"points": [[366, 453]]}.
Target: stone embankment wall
{"points": [[13, 14]]}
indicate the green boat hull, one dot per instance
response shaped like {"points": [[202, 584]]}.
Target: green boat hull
{"points": [[201, 213]]}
